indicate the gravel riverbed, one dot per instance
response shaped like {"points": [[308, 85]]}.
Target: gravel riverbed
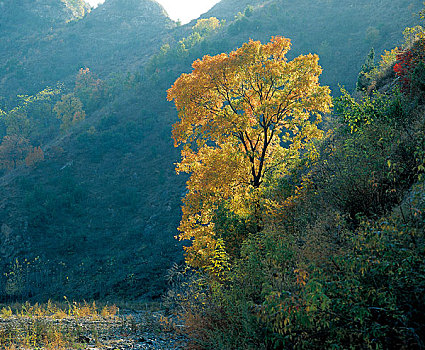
{"points": [[129, 330]]}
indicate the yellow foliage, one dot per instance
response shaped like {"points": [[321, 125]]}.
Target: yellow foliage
{"points": [[236, 111], [219, 262], [412, 34], [302, 276], [206, 25]]}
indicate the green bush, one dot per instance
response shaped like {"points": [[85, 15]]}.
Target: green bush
{"points": [[369, 161]]}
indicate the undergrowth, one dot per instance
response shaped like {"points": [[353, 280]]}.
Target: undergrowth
{"points": [[52, 325]]}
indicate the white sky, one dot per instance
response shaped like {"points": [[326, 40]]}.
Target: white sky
{"points": [[183, 10]]}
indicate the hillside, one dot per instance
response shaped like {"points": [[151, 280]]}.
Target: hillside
{"points": [[22, 17], [226, 9], [340, 32], [24, 26], [72, 212], [117, 36], [97, 217]]}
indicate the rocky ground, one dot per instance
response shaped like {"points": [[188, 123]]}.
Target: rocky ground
{"points": [[129, 330]]}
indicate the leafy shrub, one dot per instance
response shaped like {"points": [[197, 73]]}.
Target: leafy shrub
{"points": [[368, 66], [410, 68], [366, 292], [69, 111], [369, 161]]}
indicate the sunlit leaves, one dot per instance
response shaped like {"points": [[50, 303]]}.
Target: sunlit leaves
{"points": [[241, 116], [206, 25]]}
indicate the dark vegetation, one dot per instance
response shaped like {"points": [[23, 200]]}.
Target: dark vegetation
{"points": [[89, 199]]}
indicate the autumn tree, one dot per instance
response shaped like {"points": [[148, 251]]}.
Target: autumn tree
{"points": [[34, 156], [22, 124], [13, 151], [205, 26], [17, 122], [363, 79], [89, 89], [23, 119], [243, 118], [69, 110]]}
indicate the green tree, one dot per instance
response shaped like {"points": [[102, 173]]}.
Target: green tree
{"points": [[89, 89], [17, 122], [363, 79]]}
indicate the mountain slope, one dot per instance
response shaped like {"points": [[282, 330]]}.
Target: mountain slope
{"points": [[22, 16], [116, 34], [99, 206], [227, 10], [341, 32], [97, 217]]}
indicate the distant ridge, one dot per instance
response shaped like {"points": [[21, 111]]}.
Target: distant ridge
{"points": [[45, 39]]}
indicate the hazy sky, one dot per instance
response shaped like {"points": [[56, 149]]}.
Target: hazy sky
{"points": [[185, 10]]}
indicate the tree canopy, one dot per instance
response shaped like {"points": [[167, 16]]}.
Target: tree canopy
{"points": [[242, 117]]}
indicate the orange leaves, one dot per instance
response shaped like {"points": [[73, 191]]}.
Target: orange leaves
{"points": [[302, 276], [235, 112], [13, 151], [254, 85], [34, 156], [277, 48], [69, 110]]}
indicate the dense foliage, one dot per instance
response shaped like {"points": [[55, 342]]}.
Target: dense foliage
{"points": [[340, 264], [244, 117]]}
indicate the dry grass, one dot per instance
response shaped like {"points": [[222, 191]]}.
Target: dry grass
{"points": [[50, 326]]}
